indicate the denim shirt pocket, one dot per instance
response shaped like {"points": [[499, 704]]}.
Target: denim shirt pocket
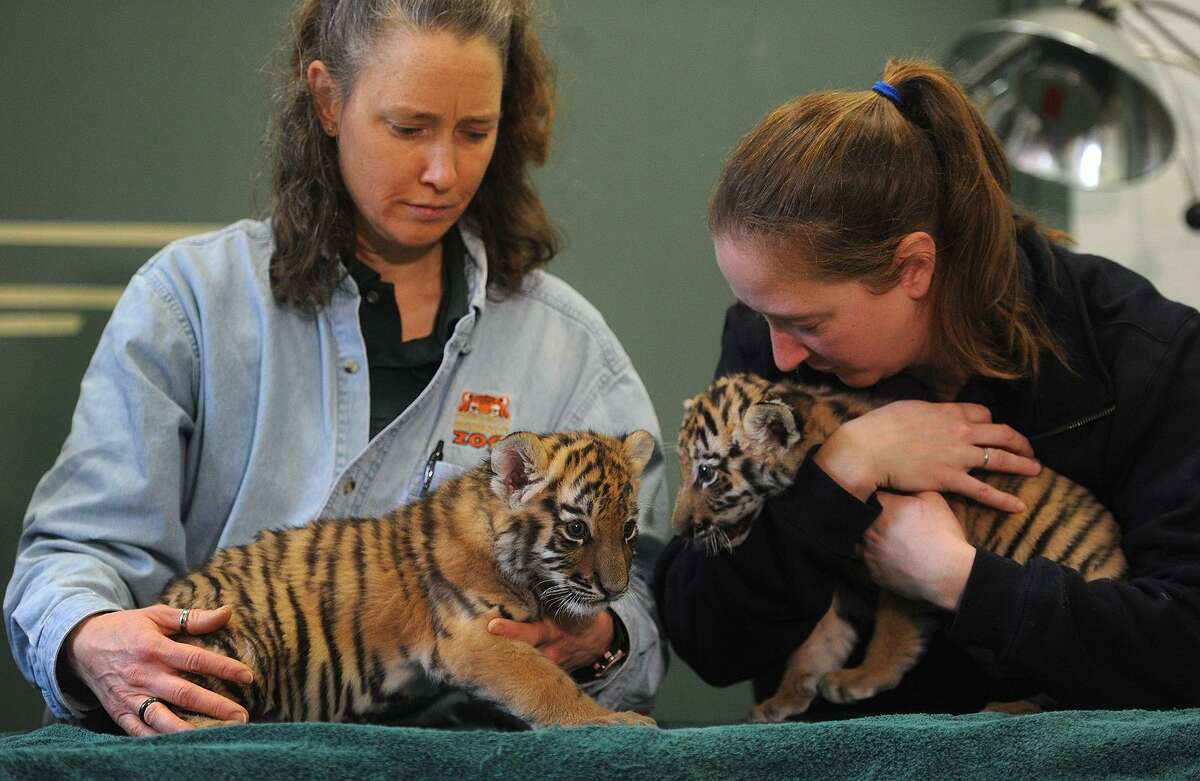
{"points": [[442, 471]]}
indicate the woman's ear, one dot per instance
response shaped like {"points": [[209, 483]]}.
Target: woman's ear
{"points": [[324, 91], [917, 256]]}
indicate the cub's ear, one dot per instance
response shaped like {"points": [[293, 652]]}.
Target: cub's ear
{"points": [[770, 423], [518, 464], [639, 446]]}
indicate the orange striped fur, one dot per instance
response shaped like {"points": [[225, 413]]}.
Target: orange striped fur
{"points": [[742, 442], [335, 617]]}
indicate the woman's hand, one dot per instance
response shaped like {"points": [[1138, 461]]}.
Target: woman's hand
{"points": [[570, 650], [916, 548], [126, 656], [922, 446]]}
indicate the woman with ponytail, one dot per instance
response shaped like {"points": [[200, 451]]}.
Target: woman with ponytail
{"points": [[871, 241], [371, 338]]}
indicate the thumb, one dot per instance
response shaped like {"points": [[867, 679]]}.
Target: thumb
{"points": [[515, 630], [933, 498], [199, 620], [887, 500]]}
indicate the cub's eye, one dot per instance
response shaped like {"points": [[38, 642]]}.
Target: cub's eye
{"points": [[576, 530], [705, 474], [631, 530]]}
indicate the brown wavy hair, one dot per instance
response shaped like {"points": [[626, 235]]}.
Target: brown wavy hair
{"points": [[312, 216], [844, 176]]}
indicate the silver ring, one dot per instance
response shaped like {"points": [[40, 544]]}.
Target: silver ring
{"points": [[146, 704], [987, 456], [183, 615]]}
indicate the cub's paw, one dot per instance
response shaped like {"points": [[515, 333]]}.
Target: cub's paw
{"points": [[200, 722], [853, 684], [1018, 708], [627, 718], [779, 708]]}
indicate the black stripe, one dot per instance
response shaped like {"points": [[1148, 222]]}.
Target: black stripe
{"points": [[360, 653], [441, 590], [423, 519], [994, 540], [282, 654], [402, 547], [743, 397], [213, 584], [1097, 558], [709, 423], [530, 531], [329, 608], [840, 409], [1081, 534], [374, 680], [1073, 500], [314, 543], [301, 673]]}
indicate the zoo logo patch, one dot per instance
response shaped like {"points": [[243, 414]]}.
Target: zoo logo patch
{"points": [[481, 419]]}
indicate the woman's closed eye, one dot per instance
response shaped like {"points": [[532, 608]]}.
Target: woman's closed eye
{"points": [[477, 135], [799, 325], [405, 131]]}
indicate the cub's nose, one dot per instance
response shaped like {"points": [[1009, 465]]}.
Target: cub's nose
{"points": [[609, 591]]}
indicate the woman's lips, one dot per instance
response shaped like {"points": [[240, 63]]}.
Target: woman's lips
{"points": [[426, 211]]}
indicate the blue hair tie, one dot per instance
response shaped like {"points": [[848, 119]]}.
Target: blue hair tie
{"points": [[889, 92]]}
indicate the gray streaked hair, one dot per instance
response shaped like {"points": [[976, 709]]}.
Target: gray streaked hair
{"points": [[350, 28], [313, 214]]}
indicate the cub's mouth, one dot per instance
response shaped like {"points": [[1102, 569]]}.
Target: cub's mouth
{"points": [[723, 535]]}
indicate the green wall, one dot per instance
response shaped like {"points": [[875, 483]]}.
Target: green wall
{"points": [[152, 111]]}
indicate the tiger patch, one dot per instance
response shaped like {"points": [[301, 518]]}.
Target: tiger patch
{"points": [[481, 419]]}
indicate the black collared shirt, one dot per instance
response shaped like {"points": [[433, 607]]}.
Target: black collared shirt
{"points": [[400, 370]]}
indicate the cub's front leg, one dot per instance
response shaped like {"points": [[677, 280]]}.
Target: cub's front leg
{"points": [[520, 678], [902, 628], [825, 649]]}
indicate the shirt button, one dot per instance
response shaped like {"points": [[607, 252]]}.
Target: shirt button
{"points": [[350, 366], [372, 296], [348, 486]]}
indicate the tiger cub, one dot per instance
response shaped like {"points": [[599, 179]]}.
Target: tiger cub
{"points": [[337, 616], [742, 442]]}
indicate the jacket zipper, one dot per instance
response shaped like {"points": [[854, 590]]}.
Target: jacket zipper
{"points": [[1071, 426]]}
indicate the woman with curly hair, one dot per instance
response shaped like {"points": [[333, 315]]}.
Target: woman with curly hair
{"points": [[388, 322]]}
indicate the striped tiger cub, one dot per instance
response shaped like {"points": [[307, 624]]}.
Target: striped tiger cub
{"points": [[742, 442], [335, 617]]}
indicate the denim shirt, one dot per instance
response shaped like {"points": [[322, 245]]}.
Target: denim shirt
{"points": [[209, 413]]}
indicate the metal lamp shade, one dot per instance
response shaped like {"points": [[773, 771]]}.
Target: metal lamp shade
{"points": [[1067, 96]]}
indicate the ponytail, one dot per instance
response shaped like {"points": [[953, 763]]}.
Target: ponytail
{"points": [[845, 176]]}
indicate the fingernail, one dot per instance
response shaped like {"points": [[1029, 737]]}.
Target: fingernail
{"points": [[491, 627], [245, 676], [242, 716]]}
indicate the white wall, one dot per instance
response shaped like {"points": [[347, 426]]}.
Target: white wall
{"points": [[1142, 225]]}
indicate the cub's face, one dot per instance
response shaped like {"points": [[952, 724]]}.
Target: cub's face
{"points": [[736, 449], [574, 519]]}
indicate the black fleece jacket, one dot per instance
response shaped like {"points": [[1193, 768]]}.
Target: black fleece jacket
{"points": [[1124, 421]]}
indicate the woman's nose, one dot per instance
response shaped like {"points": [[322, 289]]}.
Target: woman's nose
{"points": [[788, 351], [440, 169]]}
